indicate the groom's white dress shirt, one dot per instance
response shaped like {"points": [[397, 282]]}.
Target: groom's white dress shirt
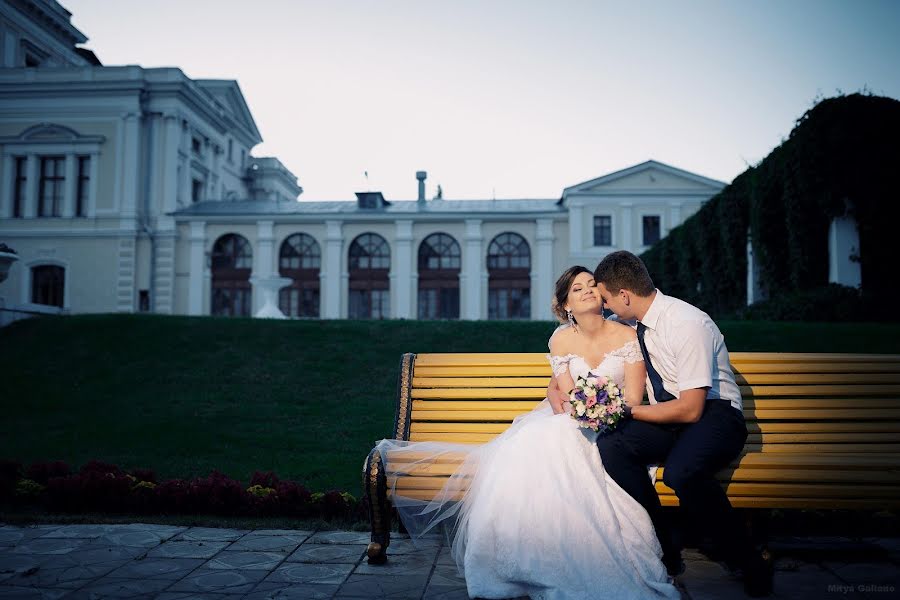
{"points": [[688, 350]]}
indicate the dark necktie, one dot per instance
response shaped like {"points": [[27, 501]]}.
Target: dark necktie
{"points": [[659, 392]]}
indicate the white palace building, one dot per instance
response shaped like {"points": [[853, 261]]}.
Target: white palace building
{"points": [[125, 189]]}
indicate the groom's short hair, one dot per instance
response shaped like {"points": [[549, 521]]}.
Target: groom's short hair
{"points": [[623, 270]]}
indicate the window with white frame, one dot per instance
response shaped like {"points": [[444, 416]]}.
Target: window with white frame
{"points": [[19, 188], [48, 285], [603, 230], [83, 186], [52, 184], [53, 172]]}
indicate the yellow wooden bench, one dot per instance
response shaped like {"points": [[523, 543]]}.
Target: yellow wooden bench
{"points": [[824, 429]]}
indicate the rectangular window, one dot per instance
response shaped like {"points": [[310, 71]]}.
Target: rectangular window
{"points": [[84, 181], [195, 145], [47, 285], [196, 190], [52, 182], [230, 150], [603, 230], [651, 229], [19, 191]]}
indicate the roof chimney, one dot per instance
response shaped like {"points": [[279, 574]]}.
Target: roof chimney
{"points": [[421, 176]]}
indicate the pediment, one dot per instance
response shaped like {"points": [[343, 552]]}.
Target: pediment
{"points": [[51, 133], [228, 94], [648, 177]]}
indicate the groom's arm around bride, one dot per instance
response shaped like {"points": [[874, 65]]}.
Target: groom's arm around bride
{"points": [[694, 423]]}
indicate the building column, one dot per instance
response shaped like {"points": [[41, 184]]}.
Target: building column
{"points": [[576, 229], [209, 148], [542, 272], [197, 240], [626, 238], [130, 166], [172, 132], [473, 267], [70, 186], [10, 49], [674, 217], [843, 252], [331, 276], [32, 171], [7, 199], [262, 257], [91, 208], [401, 271], [184, 161]]}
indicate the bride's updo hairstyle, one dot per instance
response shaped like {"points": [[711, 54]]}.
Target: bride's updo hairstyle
{"points": [[562, 290]]}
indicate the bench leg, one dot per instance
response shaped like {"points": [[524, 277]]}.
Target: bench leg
{"points": [[375, 486]]}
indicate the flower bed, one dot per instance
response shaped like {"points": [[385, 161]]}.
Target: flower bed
{"points": [[105, 487]]}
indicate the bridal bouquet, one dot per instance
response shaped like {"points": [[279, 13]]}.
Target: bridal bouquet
{"points": [[596, 403]]}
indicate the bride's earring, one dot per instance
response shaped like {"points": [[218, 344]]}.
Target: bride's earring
{"points": [[571, 319]]}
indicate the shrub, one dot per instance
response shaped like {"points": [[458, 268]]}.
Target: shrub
{"points": [[832, 302], [42, 472], [10, 472], [100, 486]]}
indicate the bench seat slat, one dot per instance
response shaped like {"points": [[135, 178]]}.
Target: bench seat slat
{"points": [[737, 358], [755, 459], [814, 405], [442, 471], [753, 379], [486, 412], [755, 391], [809, 490], [741, 369], [814, 502], [499, 421], [833, 439]]}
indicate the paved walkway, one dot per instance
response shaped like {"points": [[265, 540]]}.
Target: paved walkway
{"points": [[166, 562]]}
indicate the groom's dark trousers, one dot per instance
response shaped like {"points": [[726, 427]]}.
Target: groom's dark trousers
{"points": [[691, 455]]}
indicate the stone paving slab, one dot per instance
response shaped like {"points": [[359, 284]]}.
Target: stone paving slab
{"points": [[210, 534], [333, 574], [158, 561], [187, 549], [205, 581], [246, 560]]}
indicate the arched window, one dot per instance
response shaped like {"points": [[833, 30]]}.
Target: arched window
{"points": [[300, 258], [232, 261], [369, 262], [48, 285], [439, 263], [509, 277]]}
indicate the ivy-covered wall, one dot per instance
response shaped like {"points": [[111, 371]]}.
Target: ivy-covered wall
{"points": [[842, 157]]}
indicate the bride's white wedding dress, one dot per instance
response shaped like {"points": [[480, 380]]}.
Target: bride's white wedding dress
{"points": [[541, 517]]}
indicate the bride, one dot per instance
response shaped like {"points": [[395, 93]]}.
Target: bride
{"points": [[541, 517]]}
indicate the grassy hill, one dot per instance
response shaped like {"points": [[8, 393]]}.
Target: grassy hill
{"points": [[306, 399]]}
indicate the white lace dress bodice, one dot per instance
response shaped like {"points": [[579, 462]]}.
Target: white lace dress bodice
{"points": [[541, 518]]}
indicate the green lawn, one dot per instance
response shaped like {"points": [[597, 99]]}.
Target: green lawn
{"points": [[306, 399]]}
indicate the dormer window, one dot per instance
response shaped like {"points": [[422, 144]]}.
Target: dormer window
{"points": [[371, 200]]}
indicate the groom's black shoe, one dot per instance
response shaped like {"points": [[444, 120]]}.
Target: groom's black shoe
{"points": [[758, 571], [674, 565]]}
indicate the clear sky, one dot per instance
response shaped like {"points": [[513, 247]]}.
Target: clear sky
{"points": [[517, 99]]}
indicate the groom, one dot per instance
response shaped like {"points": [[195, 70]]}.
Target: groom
{"points": [[694, 423]]}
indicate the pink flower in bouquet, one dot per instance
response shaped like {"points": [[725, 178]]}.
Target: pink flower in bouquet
{"points": [[591, 401]]}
